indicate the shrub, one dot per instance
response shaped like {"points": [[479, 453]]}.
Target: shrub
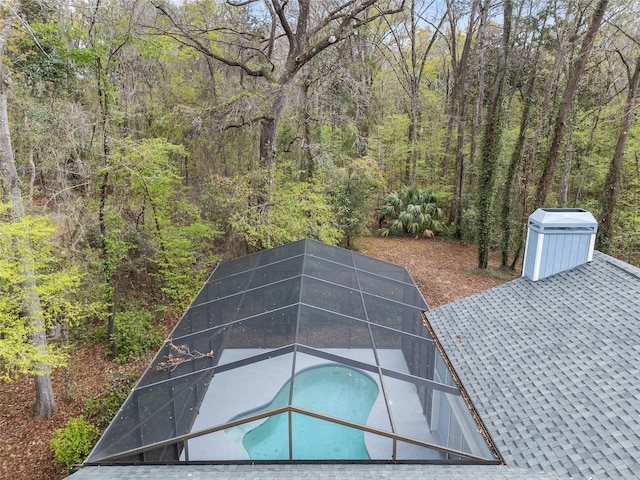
{"points": [[298, 209], [73, 443], [412, 211], [101, 409], [352, 191], [135, 334]]}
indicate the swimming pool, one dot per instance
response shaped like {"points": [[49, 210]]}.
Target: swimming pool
{"points": [[335, 390]]}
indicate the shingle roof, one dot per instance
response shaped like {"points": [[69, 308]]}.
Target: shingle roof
{"points": [[553, 367], [325, 471]]}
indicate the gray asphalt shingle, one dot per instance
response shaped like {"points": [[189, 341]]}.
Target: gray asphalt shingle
{"points": [[333, 472], [552, 367]]}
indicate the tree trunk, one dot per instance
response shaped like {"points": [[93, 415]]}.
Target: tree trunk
{"points": [[105, 110], [68, 393], [565, 107], [308, 165], [45, 400], [531, 158], [480, 87], [605, 230], [269, 128], [517, 154], [268, 146], [583, 172], [106, 266], [491, 145], [412, 158], [360, 56], [415, 69], [459, 113], [455, 215], [31, 309], [568, 160]]}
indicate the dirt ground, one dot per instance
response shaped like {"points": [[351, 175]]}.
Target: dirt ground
{"points": [[444, 270]]}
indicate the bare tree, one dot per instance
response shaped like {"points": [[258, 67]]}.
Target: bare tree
{"points": [[409, 63], [560, 125], [458, 107], [279, 39], [12, 189]]}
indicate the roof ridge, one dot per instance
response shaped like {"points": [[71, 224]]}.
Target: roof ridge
{"points": [[620, 265]]}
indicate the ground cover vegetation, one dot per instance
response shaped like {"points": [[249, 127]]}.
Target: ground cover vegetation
{"points": [[144, 141]]}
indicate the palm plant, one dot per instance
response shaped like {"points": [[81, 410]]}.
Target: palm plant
{"points": [[411, 211]]}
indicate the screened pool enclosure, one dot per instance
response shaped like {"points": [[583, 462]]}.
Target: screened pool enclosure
{"points": [[304, 352]]}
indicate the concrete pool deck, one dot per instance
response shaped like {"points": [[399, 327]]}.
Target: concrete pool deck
{"points": [[251, 386]]}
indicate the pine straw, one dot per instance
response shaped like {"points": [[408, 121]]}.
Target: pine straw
{"points": [[444, 270]]}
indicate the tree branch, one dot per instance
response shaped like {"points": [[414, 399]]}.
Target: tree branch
{"points": [[193, 42]]}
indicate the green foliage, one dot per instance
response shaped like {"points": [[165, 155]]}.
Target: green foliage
{"points": [[468, 224], [39, 64], [177, 119], [26, 253], [412, 211], [352, 190], [135, 334], [116, 244], [150, 219], [100, 409], [184, 260], [298, 210], [338, 143], [391, 144], [73, 443]]}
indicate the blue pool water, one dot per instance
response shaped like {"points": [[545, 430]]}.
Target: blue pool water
{"points": [[333, 390]]}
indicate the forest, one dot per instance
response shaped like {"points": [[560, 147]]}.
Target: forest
{"points": [[142, 142]]}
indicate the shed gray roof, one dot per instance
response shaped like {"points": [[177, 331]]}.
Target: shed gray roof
{"points": [[553, 368]]}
